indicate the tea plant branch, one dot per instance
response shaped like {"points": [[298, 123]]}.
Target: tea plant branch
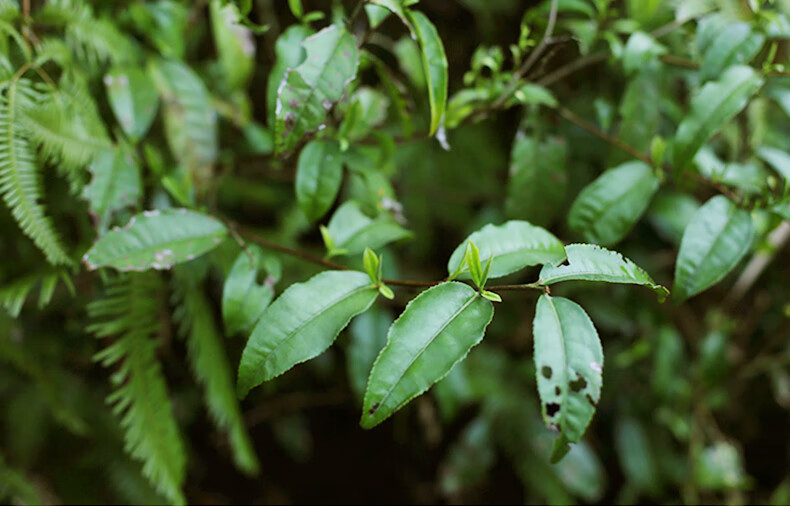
{"points": [[531, 60], [239, 230], [640, 155]]}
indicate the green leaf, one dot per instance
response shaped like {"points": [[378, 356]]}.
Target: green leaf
{"points": [[568, 364], [290, 53], [296, 8], [778, 159], [589, 262], [376, 14], [235, 43], [302, 323], [319, 173], [434, 64], [190, 119], [394, 6], [735, 44], [717, 103], [115, 184], [716, 239], [640, 50], [513, 246], [473, 263], [607, 209], [156, 240], [133, 98], [248, 289], [538, 179], [352, 230], [635, 455], [372, 265], [436, 330], [310, 90], [211, 366]]}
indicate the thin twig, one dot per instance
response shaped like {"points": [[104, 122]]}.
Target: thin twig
{"points": [[531, 60], [589, 127]]}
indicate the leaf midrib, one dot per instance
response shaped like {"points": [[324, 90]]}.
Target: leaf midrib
{"points": [[315, 315], [422, 350]]}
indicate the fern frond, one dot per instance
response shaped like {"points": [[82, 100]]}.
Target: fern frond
{"points": [[94, 40], [66, 136], [14, 294], [15, 486], [9, 10], [19, 181], [211, 366], [130, 311]]}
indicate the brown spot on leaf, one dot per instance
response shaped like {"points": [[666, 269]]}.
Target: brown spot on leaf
{"points": [[578, 384]]}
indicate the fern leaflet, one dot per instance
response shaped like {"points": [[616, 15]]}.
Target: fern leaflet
{"points": [[130, 310], [19, 181]]}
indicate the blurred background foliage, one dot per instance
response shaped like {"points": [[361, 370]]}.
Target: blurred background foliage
{"points": [[696, 396]]}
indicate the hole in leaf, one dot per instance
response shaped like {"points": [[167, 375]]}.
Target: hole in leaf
{"points": [[552, 408], [578, 384], [546, 371], [373, 408], [260, 277], [557, 390]]}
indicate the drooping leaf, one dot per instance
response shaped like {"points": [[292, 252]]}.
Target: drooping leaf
{"points": [[589, 262], [190, 119], [211, 366], [353, 231], [436, 330], [715, 104], [568, 364], [247, 293], [778, 159], [115, 184], [513, 246], [156, 240], [310, 90], [715, 240], [133, 98], [235, 43], [538, 179], [302, 323], [735, 44], [319, 173], [434, 64], [607, 209]]}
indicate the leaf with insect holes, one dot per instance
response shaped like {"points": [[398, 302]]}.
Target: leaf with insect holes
{"points": [[715, 240], [607, 209], [310, 90], [588, 262], [436, 330], [568, 364], [249, 288], [156, 240], [302, 323], [513, 246]]}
